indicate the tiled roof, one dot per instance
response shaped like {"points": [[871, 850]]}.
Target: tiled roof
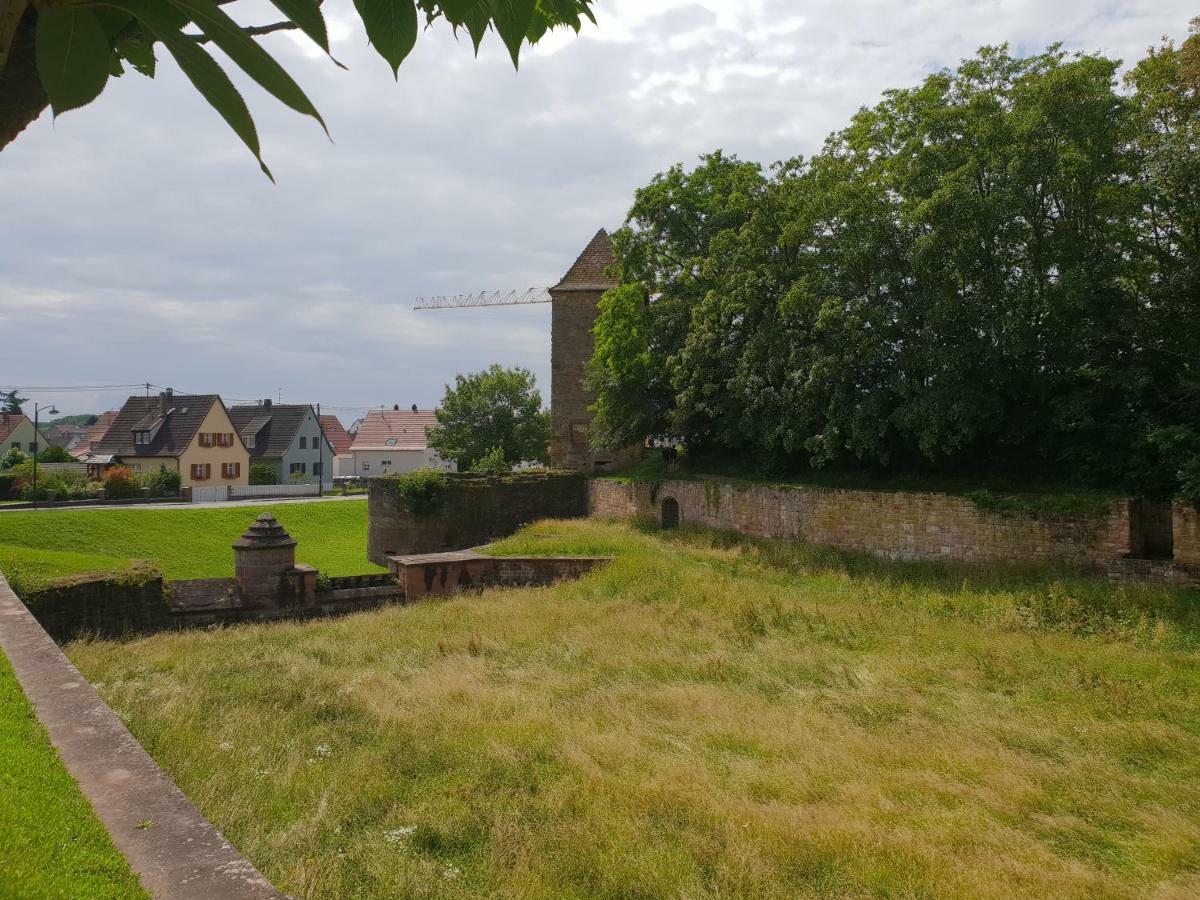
{"points": [[390, 429], [274, 427], [184, 417], [95, 432], [590, 269], [336, 434], [9, 423]]}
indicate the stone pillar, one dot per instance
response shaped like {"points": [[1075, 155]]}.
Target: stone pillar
{"points": [[1186, 528], [263, 558]]}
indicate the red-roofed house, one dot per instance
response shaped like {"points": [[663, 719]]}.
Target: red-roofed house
{"points": [[16, 433], [391, 441], [341, 441]]}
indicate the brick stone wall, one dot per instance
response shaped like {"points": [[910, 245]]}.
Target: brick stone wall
{"points": [[472, 511], [1186, 527], [890, 524], [103, 605]]}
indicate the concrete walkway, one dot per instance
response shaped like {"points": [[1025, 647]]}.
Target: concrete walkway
{"points": [[266, 501], [180, 855]]}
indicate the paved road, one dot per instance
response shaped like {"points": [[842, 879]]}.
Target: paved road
{"points": [[265, 501]]}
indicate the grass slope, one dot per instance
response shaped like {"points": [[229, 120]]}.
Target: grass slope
{"points": [[183, 543], [706, 717], [51, 844]]}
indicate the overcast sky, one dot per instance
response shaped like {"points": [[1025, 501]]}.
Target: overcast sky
{"points": [[139, 241]]}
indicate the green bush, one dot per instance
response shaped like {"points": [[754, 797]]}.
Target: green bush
{"points": [[419, 492], [162, 482], [492, 463], [14, 457], [7, 480], [120, 483], [262, 473], [53, 454]]}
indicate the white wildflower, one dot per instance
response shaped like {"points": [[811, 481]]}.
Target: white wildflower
{"points": [[451, 872], [226, 746], [323, 750], [262, 773], [396, 835]]}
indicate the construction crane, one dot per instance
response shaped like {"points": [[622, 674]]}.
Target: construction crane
{"points": [[516, 297]]}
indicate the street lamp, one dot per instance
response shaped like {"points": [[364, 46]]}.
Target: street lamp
{"points": [[37, 446]]}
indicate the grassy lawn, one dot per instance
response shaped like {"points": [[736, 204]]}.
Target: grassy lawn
{"points": [[183, 543], [706, 717], [51, 844]]}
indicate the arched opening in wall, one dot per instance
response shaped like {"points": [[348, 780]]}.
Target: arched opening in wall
{"points": [[670, 513]]}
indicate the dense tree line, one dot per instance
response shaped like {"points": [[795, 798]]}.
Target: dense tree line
{"points": [[997, 270]]}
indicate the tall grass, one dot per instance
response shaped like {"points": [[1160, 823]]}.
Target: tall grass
{"points": [[704, 717]]}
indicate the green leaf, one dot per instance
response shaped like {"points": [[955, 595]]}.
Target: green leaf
{"points": [[512, 19], [391, 28], [200, 68], [73, 56], [248, 55], [137, 51], [306, 15], [477, 21]]}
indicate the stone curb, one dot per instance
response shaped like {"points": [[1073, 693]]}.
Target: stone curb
{"points": [[180, 855]]}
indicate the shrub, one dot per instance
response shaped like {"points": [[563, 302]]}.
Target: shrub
{"points": [[120, 483], [53, 454], [162, 482], [492, 463], [7, 480], [419, 492], [14, 457], [262, 473]]}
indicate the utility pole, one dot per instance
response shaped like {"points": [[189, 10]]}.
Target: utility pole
{"points": [[321, 455], [37, 444]]}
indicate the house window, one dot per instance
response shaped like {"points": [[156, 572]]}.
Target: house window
{"points": [[298, 468], [205, 439], [390, 442], [303, 442], [250, 441], [317, 468], [33, 447], [16, 445], [141, 437], [201, 471], [366, 467], [231, 470], [385, 462]]}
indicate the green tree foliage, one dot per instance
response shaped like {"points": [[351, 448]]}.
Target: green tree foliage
{"points": [[994, 270], [492, 463], [120, 483], [497, 407], [10, 403], [53, 454], [77, 46]]}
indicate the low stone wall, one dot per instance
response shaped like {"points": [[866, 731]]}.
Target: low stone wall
{"points": [[472, 510], [103, 605], [438, 574], [891, 524], [1185, 522]]}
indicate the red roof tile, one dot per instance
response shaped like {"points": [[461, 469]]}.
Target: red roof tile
{"points": [[590, 270], [336, 434], [389, 429]]}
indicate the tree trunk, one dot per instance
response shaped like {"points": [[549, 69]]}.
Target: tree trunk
{"points": [[22, 97]]}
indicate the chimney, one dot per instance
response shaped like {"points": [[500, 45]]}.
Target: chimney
{"points": [[267, 403], [395, 407], [414, 407], [164, 401]]}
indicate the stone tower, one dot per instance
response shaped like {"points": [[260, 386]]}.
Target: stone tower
{"points": [[574, 303]]}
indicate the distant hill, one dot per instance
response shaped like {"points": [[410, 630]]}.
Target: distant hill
{"points": [[84, 419]]}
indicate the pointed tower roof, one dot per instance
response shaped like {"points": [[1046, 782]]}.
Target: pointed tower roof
{"points": [[589, 271]]}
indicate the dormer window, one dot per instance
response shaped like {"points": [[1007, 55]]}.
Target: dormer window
{"points": [[141, 437], [249, 440], [390, 442]]}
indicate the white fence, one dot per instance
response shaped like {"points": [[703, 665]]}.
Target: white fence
{"points": [[252, 491], [246, 491]]}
